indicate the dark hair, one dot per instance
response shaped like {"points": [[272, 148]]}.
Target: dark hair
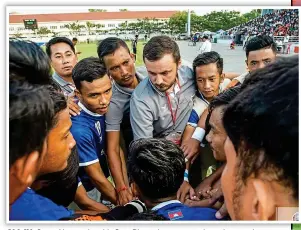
{"points": [[260, 42], [159, 46], [74, 39], [148, 215], [157, 166], [109, 46], [30, 118], [205, 36], [28, 62], [208, 58], [88, 69], [59, 102], [56, 40], [262, 123]]}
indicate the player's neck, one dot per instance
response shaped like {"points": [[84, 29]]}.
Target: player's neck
{"points": [[153, 203], [135, 83]]}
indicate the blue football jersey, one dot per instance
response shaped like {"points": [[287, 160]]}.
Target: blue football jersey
{"points": [[200, 104], [175, 210], [32, 206], [88, 130]]}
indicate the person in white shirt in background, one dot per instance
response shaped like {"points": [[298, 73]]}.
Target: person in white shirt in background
{"points": [[206, 46], [74, 41], [286, 44]]}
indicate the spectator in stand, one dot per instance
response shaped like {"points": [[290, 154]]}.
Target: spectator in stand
{"points": [[279, 23]]}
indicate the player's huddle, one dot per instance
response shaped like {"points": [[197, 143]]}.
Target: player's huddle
{"points": [[179, 143]]}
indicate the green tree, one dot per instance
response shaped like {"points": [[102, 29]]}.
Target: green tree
{"points": [[97, 10], [54, 34], [123, 10], [212, 21], [123, 26], [177, 22], [252, 14], [99, 28], [222, 20], [90, 26], [43, 31], [75, 27], [18, 35]]}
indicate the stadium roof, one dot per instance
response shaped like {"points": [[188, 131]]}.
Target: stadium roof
{"points": [[17, 18]]}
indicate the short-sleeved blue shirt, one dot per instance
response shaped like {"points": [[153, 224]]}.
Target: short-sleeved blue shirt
{"points": [[88, 130], [32, 206], [175, 210]]}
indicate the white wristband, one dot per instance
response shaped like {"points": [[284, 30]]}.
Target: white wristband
{"points": [[199, 134]]}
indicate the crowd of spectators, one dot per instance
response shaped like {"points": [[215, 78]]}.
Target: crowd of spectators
{"points": [[279, 23]]}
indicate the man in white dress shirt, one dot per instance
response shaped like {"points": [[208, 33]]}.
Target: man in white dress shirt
{"points": [[206, 46]]}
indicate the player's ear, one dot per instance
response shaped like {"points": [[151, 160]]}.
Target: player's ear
{"points": [[223, 75], [132, 56], [25, 169], [264, 206], [77, 94], [179, 63]]}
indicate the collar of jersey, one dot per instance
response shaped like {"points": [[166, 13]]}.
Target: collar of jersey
{"points": [[88, 111], [125, 90], [163, 204], [201, 96]]}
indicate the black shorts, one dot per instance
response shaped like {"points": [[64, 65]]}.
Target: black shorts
{"points": [[134, 50]]}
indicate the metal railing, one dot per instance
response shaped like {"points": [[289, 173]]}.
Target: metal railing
{"points": [[292, 39]]}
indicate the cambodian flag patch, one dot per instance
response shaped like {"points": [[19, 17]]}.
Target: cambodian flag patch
{"points": [[174, 215]]}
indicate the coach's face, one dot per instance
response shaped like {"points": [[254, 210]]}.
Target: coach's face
{"points": [[163, 72], [120, 66]]}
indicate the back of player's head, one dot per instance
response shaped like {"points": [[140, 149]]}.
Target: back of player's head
{"points": [[159, 46], [74, 39], [30, 118], [208, 58], [205, 36], [57, 40], [88, 69], [157, 166], [262, 123], [28, 62], [260, 42], [109, 46]]}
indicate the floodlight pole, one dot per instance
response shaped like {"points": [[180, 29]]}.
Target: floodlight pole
{"points": [[188, 23]]}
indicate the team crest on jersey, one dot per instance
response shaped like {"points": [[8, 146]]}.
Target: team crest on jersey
{"points": [[98, 128], [174, 215]]}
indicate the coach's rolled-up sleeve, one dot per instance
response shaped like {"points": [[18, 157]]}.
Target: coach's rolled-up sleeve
{"points": [[141, 118]]}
